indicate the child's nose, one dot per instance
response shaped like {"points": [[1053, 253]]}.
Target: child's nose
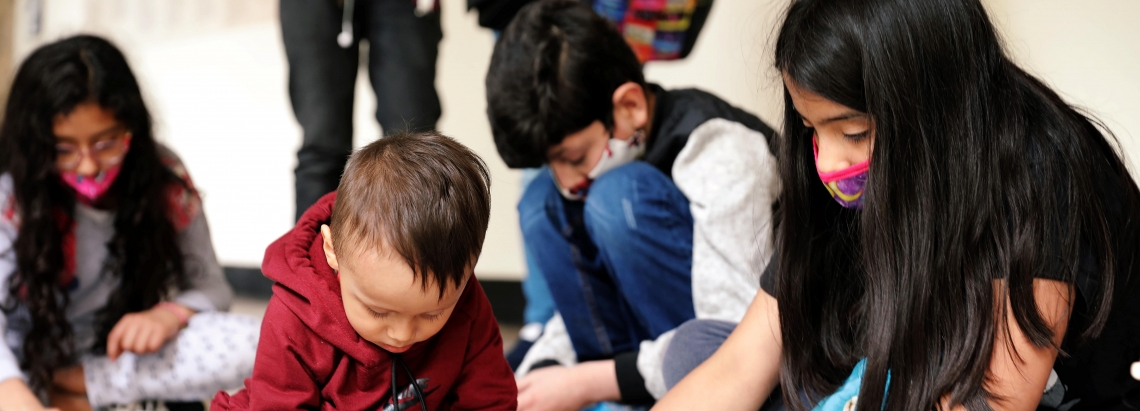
{"points": [[401, 333], [87, 166], [830, 159]]}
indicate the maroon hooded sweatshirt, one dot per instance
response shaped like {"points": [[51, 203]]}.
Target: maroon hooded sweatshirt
{"points": [[309, 356]]}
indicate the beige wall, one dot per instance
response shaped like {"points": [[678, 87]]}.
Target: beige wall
{"points": [[1088, 51], [214, 74], [7, 9]]}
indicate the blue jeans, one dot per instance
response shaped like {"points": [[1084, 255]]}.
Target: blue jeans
{"points": [[617, 264], [539, 303]]}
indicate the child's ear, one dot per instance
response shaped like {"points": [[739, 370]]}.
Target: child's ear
{"points": [[330, 254], [631, 109]]}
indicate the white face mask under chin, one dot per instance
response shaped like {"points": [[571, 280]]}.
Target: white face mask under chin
{"points": [[617, 153]]}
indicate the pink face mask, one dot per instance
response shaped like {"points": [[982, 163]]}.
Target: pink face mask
{"points": [[91, 188], [846, 185]]}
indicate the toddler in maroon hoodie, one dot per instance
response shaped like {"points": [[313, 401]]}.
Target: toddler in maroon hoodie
{"points": [[375, 306]]}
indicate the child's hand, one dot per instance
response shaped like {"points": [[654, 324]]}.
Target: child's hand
{"points": [[143, 332], [572, 388], [551, 389]]}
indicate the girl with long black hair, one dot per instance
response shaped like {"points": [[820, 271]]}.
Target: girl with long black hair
{"points": [[952, 234], [105, 254]]}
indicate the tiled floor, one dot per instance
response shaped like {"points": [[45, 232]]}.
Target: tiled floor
{"points": [[256, 307]]}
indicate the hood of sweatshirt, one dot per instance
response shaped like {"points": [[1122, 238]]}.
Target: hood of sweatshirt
{"points": [[309, 287], [310, 357]]}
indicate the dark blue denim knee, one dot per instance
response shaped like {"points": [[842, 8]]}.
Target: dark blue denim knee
{"points": [[618, 265], [641, 223]]}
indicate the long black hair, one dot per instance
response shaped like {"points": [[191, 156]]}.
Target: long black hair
{"points": [[143, 252], [979, 172]]}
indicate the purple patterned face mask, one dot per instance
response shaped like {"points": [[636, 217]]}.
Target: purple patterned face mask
{"points": [[846, 185]]}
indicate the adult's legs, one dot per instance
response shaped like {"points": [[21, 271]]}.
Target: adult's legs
{"points": [[322, 79], [641, 223], [214, 352], [402, 53]]}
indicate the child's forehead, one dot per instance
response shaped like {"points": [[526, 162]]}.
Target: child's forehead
{"points": [[380, 270], [406, 298], [380, 264]]}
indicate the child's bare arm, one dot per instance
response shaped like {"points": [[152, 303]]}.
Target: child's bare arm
{"points": [[750, 356], [15, 395], [1020, 369]]}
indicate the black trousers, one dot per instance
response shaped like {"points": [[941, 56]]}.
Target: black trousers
{"points": [[402, 56]]}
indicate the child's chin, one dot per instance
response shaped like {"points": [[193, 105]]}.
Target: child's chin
{"points": [[395, 350]]}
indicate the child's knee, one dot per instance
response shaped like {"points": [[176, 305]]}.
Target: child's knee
{"points": [[636, 175], [633, 197], [693, 342], [536, 195]]}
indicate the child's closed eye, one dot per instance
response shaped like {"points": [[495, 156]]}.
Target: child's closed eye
{"points": [[857, 137], [375, 314], [432, 317]]}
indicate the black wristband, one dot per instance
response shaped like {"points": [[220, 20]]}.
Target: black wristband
{"points": [[544, 364], [631, 384]]}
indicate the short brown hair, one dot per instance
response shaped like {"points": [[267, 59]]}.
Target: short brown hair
{"points": [[424, 195]]}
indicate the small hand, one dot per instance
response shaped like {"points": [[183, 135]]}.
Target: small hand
{"points": [[569, 388], [143, 332], [551, 389]]}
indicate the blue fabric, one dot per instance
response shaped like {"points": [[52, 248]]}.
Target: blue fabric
{"points": [[539, 302], [613, 406], [617, 264], [848, 390]]}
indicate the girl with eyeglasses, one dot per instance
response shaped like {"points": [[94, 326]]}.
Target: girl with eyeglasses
{"points": [[109, 286]]}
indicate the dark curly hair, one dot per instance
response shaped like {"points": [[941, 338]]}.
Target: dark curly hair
{"points": [[144, 255]]}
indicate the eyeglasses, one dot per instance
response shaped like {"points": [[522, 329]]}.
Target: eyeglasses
{"points": [[107, 152]]}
